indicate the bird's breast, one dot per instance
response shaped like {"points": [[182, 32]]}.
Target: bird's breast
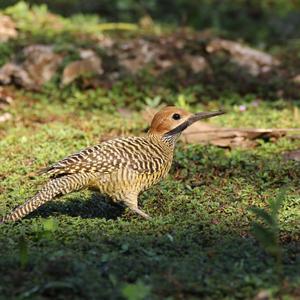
{"points": [[127, 179]]}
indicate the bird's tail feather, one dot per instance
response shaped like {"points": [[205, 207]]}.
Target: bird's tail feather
{"points": [[52, 189]]}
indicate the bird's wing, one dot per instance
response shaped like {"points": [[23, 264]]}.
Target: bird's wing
{"points": [[131, 152], [98, 158]]}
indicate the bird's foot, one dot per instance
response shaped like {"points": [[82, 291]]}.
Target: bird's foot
{"points": [[140, 212]]}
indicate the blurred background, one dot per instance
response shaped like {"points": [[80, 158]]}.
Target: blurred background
{"points": [[257, 22], [205, 45]]}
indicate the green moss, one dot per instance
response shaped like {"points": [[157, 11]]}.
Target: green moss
{"points": [[198, 243]]}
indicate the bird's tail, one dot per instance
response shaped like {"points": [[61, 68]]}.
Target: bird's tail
{"points": [[55, 187]]}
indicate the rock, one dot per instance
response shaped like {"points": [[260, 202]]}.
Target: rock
{"points": [[136, 54], [89, 64], [255, 61], [40, 64], [6, 72], [11, 72]]}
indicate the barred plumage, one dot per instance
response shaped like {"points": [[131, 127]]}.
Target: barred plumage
{"points": [[55, 187], [120, 168]]}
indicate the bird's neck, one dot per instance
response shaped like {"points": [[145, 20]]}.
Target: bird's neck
{"points": [[168, 141]]}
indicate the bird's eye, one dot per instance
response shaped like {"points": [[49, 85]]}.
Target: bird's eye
{"points": [[176, 117]]}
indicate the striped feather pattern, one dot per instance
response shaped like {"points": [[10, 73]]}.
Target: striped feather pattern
{"points": [[52, 189], [120, 168], [137, 153]]}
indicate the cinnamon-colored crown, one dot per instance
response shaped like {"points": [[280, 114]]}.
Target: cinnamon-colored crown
{"points": [[166, 119]]}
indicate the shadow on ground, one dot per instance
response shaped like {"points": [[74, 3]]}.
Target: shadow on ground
{"points": [[177, 258], [95, 206]]}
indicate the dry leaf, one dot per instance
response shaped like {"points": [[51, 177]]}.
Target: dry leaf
{"points": [[13, 73]]}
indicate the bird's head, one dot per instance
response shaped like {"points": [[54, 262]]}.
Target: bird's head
{"points": [[171, 121]]}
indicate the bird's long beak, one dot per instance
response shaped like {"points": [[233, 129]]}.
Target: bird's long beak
{"points": [[204, 115], [192, 119]]}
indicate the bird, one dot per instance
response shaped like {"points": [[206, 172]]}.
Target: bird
{"points": [[120, 168]]}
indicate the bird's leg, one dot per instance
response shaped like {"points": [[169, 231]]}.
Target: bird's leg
{"points": [[131, 202], [140, 212]]}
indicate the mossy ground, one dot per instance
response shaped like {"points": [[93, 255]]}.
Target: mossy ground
{"points": [[199, 244]]}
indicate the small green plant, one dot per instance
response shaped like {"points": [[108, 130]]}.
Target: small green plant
{"points": [[153, 102], [49, 226], [6, 50], [45, 232], [23, 252], [136, 291], [182, 102], [267, 231]]}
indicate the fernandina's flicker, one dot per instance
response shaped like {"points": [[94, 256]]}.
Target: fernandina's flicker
{"points": [[120, 168]]}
